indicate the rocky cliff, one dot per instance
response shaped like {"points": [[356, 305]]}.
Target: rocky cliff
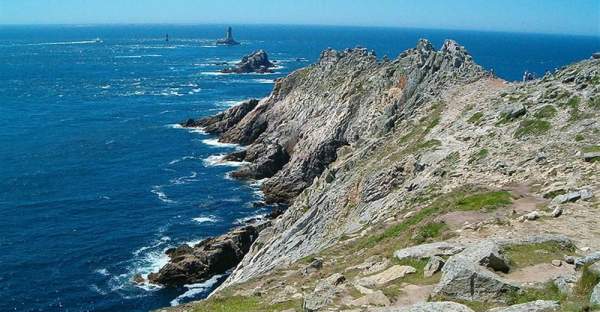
{"points": [[376, 157]]}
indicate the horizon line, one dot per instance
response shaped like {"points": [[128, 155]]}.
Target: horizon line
{"points": [[298, 24]]}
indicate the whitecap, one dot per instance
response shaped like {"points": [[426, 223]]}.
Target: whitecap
{"points": [[229, 103], [253, 217], [184, 179], [105, 87], [214, 73], [157, 190], [196, 289], [184, 158], [64, 43], [138, 56], [263, 80], [103, 272], [216, 143], [219, 160], [206, 219]]}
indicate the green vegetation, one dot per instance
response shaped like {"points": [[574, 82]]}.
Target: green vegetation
{"points": [[547, 111], [487, 201], [476, 118], [548, 292], [589, 279], [483, 153], [530, 254], [460, 200], [594, 103], [532, 127], [239, 303], [591, 149], [428, 144], [418, 278], [579, 137], [429, 231]]}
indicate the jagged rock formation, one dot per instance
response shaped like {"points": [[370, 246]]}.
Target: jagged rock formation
{"points": [[213, 256], [375, 156], [256, 62]]}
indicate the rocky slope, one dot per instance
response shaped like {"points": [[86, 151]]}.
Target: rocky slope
{"points": [[377, 156]]}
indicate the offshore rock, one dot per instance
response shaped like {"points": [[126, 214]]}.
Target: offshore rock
{"points": [[223, 121], [188, 265], [256, 62]]}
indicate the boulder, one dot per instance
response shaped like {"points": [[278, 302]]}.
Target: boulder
{"points": [[428, 250], [312, 267], [565, 198], [589, 259], [443, 306], [391, 274], [566, 284], [433, 266], [224, 121], [595, 296], [514, 111], [590, 157], [256, 62], [534, 306], [469, 275]]}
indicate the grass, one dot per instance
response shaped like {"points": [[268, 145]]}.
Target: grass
{"points": [[579, 137], [594, 103], [429, 231], [459, 200], [428, 144], [240, 303], [591, 149], [547, 111], [548, 292], [475, 118], [532, 127], [530, 254], [418, 278], [487, 201], [483, 153]]}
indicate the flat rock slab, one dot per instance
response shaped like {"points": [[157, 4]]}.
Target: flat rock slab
{"points": [[446, 306], [428, 250], [534, 306], [391, 274]]}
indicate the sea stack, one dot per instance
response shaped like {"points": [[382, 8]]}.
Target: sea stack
{"points": [[256, 62], [228, 40]]}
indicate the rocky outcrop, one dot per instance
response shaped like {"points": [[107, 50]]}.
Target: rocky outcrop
{"points": [[256, 62], [224, 121], [213, 256], [448, 306], [362, 149]]}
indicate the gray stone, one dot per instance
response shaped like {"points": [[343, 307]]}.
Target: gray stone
{"points": [[566, 283], [433, 266], [534, 215], [557, 212], [393, 273], [324, 293], [429, 250], [591, 258], [443, 306], [312, 267], [565, 198], [469, 276], [595, 268], [376, 298], [514, 111], [586, 194], [534, 306], [589, 157], [595, 296]]}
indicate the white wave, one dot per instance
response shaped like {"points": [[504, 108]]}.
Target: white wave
{"points": [[246, 219], [184, 158], [138, 56], [219, 160], [263, 80], [196, 289], [198, 130], [97, 289], [157, 190], [166, 112], [214, 73], [208, 46], [216, 143], [184, 179], [206, 219], [64, 43], [103, 272], [105, 87]]}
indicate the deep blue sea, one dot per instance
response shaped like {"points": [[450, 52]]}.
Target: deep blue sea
{"points": [[95, 179]]}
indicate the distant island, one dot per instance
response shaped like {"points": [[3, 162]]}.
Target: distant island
{"points": [[228, 40]]}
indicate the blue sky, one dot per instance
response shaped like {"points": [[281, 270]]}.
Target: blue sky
{"points": [[544, 16]]}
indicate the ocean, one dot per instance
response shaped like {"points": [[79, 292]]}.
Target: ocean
{"points": [[97, 179]]}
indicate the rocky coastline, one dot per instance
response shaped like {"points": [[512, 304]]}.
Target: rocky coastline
{"points": [[422, 183]]}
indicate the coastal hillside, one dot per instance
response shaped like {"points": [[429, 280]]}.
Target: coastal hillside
{"points": [[422, 183]]}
